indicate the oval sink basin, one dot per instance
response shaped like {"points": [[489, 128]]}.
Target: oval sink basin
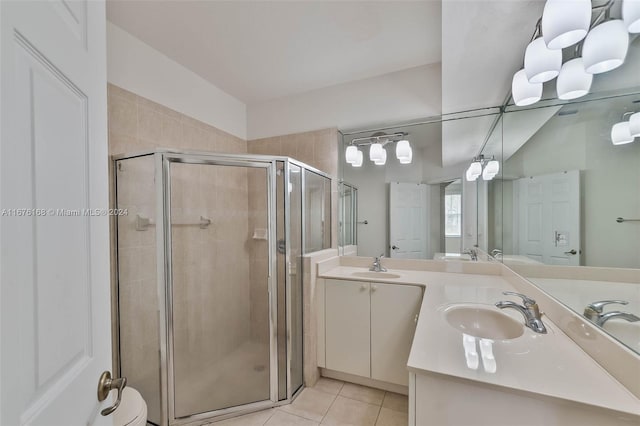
{"points": [[374, 275], [483, 322]]}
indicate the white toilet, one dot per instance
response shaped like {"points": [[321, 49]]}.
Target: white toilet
{"points": [[132, 410]]}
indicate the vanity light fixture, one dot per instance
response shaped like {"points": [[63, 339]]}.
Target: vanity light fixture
{"points": [[377, 151], [359, 158], [631, 15], [351, 154], [383, 158], [605, 47], [403, 149], [573, 81], [523, 92], [625, 131], [620, 133], [406, 160], [475, 170], [541, 64], [565, 22]]}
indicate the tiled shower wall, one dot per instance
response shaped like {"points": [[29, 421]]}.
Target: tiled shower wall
{"points": [[318, 149]]}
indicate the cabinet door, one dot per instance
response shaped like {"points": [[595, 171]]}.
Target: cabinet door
{"points": [[393, 312], [347, 327]]}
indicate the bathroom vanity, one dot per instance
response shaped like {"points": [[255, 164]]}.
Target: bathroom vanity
{"points": [[431, 329]]}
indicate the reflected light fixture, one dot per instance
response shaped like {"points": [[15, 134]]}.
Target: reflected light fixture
{"points": [[523, 92], [376, 144], [359, 159], [620, 133], [375, 152], [407, 160], [382, 160], [541, 64], [573, 81], [351, 154], [631, 15], [403, 150], [634, 125], [605, 47], [565, 22], [493, 167], [474, 170]]}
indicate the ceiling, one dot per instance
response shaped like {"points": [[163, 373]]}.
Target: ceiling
{"points": [[262, 50]]}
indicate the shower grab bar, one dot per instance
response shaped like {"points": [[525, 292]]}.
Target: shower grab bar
{"points": [[621, 219], [143, 223]]}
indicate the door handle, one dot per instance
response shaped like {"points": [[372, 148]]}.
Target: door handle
{"points": [[105, 385], [571, 252], [395, 247]]}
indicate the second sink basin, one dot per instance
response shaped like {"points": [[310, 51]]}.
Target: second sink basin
{"points": [[483, 322], [374, 275]]}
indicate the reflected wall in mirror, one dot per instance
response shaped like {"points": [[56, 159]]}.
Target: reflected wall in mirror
{"points": [[413, 208]]}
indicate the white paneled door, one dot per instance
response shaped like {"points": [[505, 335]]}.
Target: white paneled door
{"points": [[549, 218], [408, 220], [54, 244]]}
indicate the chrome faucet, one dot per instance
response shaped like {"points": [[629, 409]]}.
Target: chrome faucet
{"points": [[530, 311], [593, 312], [377, 264], [471, 252], [617, 314]]}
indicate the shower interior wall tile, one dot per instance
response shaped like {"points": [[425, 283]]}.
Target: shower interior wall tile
{"points": [[318, 149]]}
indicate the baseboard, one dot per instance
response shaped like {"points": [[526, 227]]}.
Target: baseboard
{"points": [[365, 381]]}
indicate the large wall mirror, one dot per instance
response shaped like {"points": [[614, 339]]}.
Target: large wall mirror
{"points": [[412, 207], [563, 211]]}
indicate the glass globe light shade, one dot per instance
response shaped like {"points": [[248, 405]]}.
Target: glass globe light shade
{"points": [[541, 64], [523, 92], [620, 133], [565, 22], [605, 47], [573, 81], [631, 15]]}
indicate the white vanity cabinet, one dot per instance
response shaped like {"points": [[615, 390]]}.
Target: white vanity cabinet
{"points": [[369, 328]]}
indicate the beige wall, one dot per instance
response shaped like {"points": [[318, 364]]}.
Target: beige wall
{"points": [[136, 124]]}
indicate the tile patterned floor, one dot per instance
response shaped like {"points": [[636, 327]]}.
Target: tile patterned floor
{"points": [[332, 402]]}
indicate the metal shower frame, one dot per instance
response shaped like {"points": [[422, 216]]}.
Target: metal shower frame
{"points": [[162, 159]]}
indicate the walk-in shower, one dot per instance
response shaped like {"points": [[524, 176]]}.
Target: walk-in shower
{"points": [[209, 278]]}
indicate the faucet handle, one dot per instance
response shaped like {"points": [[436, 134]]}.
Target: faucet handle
{"points": [[597, 306], [525, 299]]}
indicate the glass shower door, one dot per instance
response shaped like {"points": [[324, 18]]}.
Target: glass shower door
{"points": [[221, 325]]}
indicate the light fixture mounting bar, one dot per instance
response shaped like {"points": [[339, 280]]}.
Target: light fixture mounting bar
{"points": [[381, 139]]}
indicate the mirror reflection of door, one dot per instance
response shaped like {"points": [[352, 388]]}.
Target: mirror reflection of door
{"points": [[408, 220], [549, 218]]}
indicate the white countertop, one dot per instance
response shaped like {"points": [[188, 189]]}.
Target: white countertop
{"points": [[547, 364]]}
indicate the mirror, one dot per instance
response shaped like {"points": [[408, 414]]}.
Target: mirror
{"points": [[554, 211], [413, 210]]}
